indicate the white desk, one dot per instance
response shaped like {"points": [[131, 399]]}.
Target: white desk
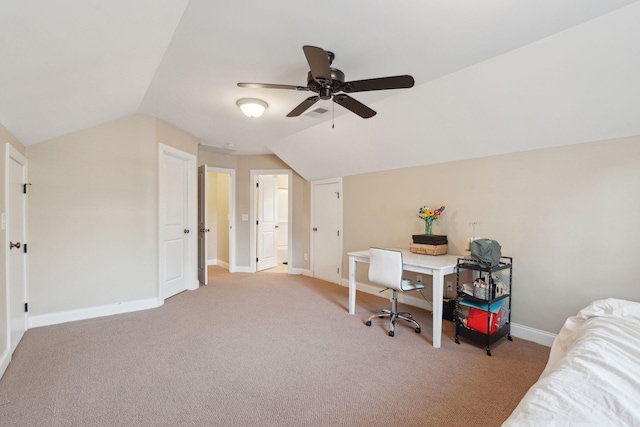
{"points": [[436, 266]]}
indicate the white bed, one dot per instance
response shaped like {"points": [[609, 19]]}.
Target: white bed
{"points": [[592, 377]]}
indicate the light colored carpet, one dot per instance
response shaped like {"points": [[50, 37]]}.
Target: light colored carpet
{"points": [[261, 350]]}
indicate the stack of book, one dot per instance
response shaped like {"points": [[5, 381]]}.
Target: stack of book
{"points": [[429, 245]]}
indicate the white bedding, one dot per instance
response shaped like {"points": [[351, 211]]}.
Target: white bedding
{"points": [[592, 377]]}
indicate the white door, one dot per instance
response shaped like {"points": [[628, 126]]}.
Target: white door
{"points": [[202, 225], [17, 233], [326, 231], [174, 216], [267, 222]]}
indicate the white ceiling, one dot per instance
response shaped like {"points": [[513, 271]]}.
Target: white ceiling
{"points": [[492, 76]]}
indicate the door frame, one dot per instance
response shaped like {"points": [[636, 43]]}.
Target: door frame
{"points": [[252, 214], [312, 222], [192, 215], [232, 213]]}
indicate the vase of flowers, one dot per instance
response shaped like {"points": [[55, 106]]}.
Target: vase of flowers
{"points": [[428, 216]]}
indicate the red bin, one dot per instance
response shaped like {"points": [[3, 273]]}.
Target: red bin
{"points": [[477, 320]]}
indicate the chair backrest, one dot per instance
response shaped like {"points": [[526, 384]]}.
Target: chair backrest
{"points": [[385, 267]]}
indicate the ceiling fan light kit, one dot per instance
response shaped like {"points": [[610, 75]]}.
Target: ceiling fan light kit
{"points": [[327, 82], [252, 107]]}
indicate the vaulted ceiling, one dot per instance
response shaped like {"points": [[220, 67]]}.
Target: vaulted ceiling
{"points": [[492, 76]]}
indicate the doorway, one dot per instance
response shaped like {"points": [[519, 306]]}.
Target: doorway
{"points": [[216, 207], [271, 239]]}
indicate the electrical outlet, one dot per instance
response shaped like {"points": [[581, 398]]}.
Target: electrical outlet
{"points": [[419, 278]]}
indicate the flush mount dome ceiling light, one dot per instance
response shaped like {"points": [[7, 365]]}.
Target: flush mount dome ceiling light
{"points": [[252, 107]]}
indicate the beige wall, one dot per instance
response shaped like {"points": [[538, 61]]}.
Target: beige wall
{"points": [[5, 137], [168, 135], [243, 166], [222, 213], [93, 214], [212, 215], [218, 160], [217, 216], [568, 217], [301, 209]]}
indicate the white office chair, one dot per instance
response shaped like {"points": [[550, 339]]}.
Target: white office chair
{"points": [[385, 268]]}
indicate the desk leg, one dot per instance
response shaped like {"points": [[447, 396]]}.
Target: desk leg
{"points": [[352, 285], [438, 283]]}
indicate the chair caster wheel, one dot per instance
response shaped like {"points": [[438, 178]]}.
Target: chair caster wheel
{"points": [[457, 340], [417, 330], [488, 352], [509, 338], [368, 323], [391, 333]]}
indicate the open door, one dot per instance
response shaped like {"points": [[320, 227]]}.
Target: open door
{"points": [[17, 247], [177, 206], [267, 222], [202, 225]]}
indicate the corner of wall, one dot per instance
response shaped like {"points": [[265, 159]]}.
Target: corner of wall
{"points": [[174, 137]]}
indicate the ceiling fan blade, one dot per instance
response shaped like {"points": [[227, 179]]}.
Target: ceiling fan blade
{"points": [[303, 106], [318, 60], [382, 83], [355, 106], [271, 86]]}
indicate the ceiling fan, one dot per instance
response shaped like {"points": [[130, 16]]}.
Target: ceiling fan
{"points": [[328, 82]]}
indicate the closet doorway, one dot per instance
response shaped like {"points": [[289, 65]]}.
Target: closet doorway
{"points": [[216, 219], [271, 215]]}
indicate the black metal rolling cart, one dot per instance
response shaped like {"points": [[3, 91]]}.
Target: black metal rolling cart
{"points": [[483, 307]]}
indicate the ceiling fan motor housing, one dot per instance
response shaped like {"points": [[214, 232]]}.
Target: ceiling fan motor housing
{"points": [[325, 89]]}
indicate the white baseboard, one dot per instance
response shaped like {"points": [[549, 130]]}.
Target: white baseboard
{"points": [[218, 262], [93, 312], [5, 358], [292, 270], [531, 334], [518, 331]]}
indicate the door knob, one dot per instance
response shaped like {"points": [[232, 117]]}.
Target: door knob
{"points": [[186, 230], [315, 228], [14, 245]]}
